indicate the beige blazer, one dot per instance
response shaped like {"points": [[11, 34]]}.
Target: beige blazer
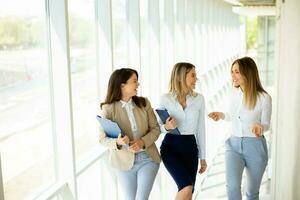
{"points": [[147, 126]]}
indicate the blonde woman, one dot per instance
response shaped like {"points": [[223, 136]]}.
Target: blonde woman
{"points": [[137, 165], [249, 113], [180, 153]]}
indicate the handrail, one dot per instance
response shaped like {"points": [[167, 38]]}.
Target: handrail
{"points": [[52, 191], [61, 187], [87, 162]]}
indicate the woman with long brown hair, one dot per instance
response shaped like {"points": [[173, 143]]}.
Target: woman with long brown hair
{"points": [[134, 156], [250, 113]]}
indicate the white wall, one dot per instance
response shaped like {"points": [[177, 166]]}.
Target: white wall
{"points": [[286, 175]]}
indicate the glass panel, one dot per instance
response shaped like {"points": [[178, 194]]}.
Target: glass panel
{"points": [[119, 22], [25, 114], [99, 181], [91, 183], [83, 69], [145, 72]]}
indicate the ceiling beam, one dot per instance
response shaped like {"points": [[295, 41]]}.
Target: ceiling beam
{"points": [[255, 10]]}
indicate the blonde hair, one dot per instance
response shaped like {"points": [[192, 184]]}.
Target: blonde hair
{"points": [[177, 84], [253, 87]]}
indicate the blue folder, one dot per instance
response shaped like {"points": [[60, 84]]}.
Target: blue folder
{"points": [[110, 128], [164, 115]]}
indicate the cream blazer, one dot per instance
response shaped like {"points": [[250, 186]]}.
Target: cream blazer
{"points": [[148, 128]]}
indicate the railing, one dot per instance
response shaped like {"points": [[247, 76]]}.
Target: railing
{"points": [[61, 188]]}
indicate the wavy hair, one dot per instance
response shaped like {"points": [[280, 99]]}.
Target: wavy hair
{"points": [[177, 84], [117, 78], [253, 86]]}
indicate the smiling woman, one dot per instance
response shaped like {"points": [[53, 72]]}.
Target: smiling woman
{"points": [[250, 114], [180, 153], [134, 156]]}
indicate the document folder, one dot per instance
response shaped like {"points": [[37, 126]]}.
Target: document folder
{"points": [[110, 128], [164, 115]]}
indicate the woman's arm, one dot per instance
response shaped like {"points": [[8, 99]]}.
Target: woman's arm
{"points": [[260, 127], [154, 131], [200, 133], [216, 115], [266, 112], [201, 137]]}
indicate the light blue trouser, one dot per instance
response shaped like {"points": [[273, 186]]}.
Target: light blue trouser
{"points": [[251, 154], [137, 182]]}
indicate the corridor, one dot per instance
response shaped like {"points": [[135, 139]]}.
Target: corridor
{"points": [[56, 57]]}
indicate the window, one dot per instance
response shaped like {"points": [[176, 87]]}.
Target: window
{"points": [[25, 113], [120, 36], [83, 75]]}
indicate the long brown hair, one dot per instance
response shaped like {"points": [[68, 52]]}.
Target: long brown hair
{"points": [[253, 86], [118, 77], [177, 84]]}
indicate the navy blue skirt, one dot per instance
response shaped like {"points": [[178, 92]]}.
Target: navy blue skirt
{"points": [[179, 154]]}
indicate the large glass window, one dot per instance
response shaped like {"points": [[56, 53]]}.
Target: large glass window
{"points": [[145, 50], [25, 113], [120, 36], [83, 74]]}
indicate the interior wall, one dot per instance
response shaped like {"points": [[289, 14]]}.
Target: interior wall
{"points": [[286, 174]]}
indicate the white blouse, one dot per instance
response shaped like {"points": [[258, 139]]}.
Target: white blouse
{"points": [[243, 119], [129, 109], [190, 121]]}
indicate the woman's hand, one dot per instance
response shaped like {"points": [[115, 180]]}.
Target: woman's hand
{"points": [[216, 116], [122, 140], [170, 123], [203, 166], [257, 129], [136, 145]]}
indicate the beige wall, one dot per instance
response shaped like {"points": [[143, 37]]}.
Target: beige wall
{"points": [[286, 174]]}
